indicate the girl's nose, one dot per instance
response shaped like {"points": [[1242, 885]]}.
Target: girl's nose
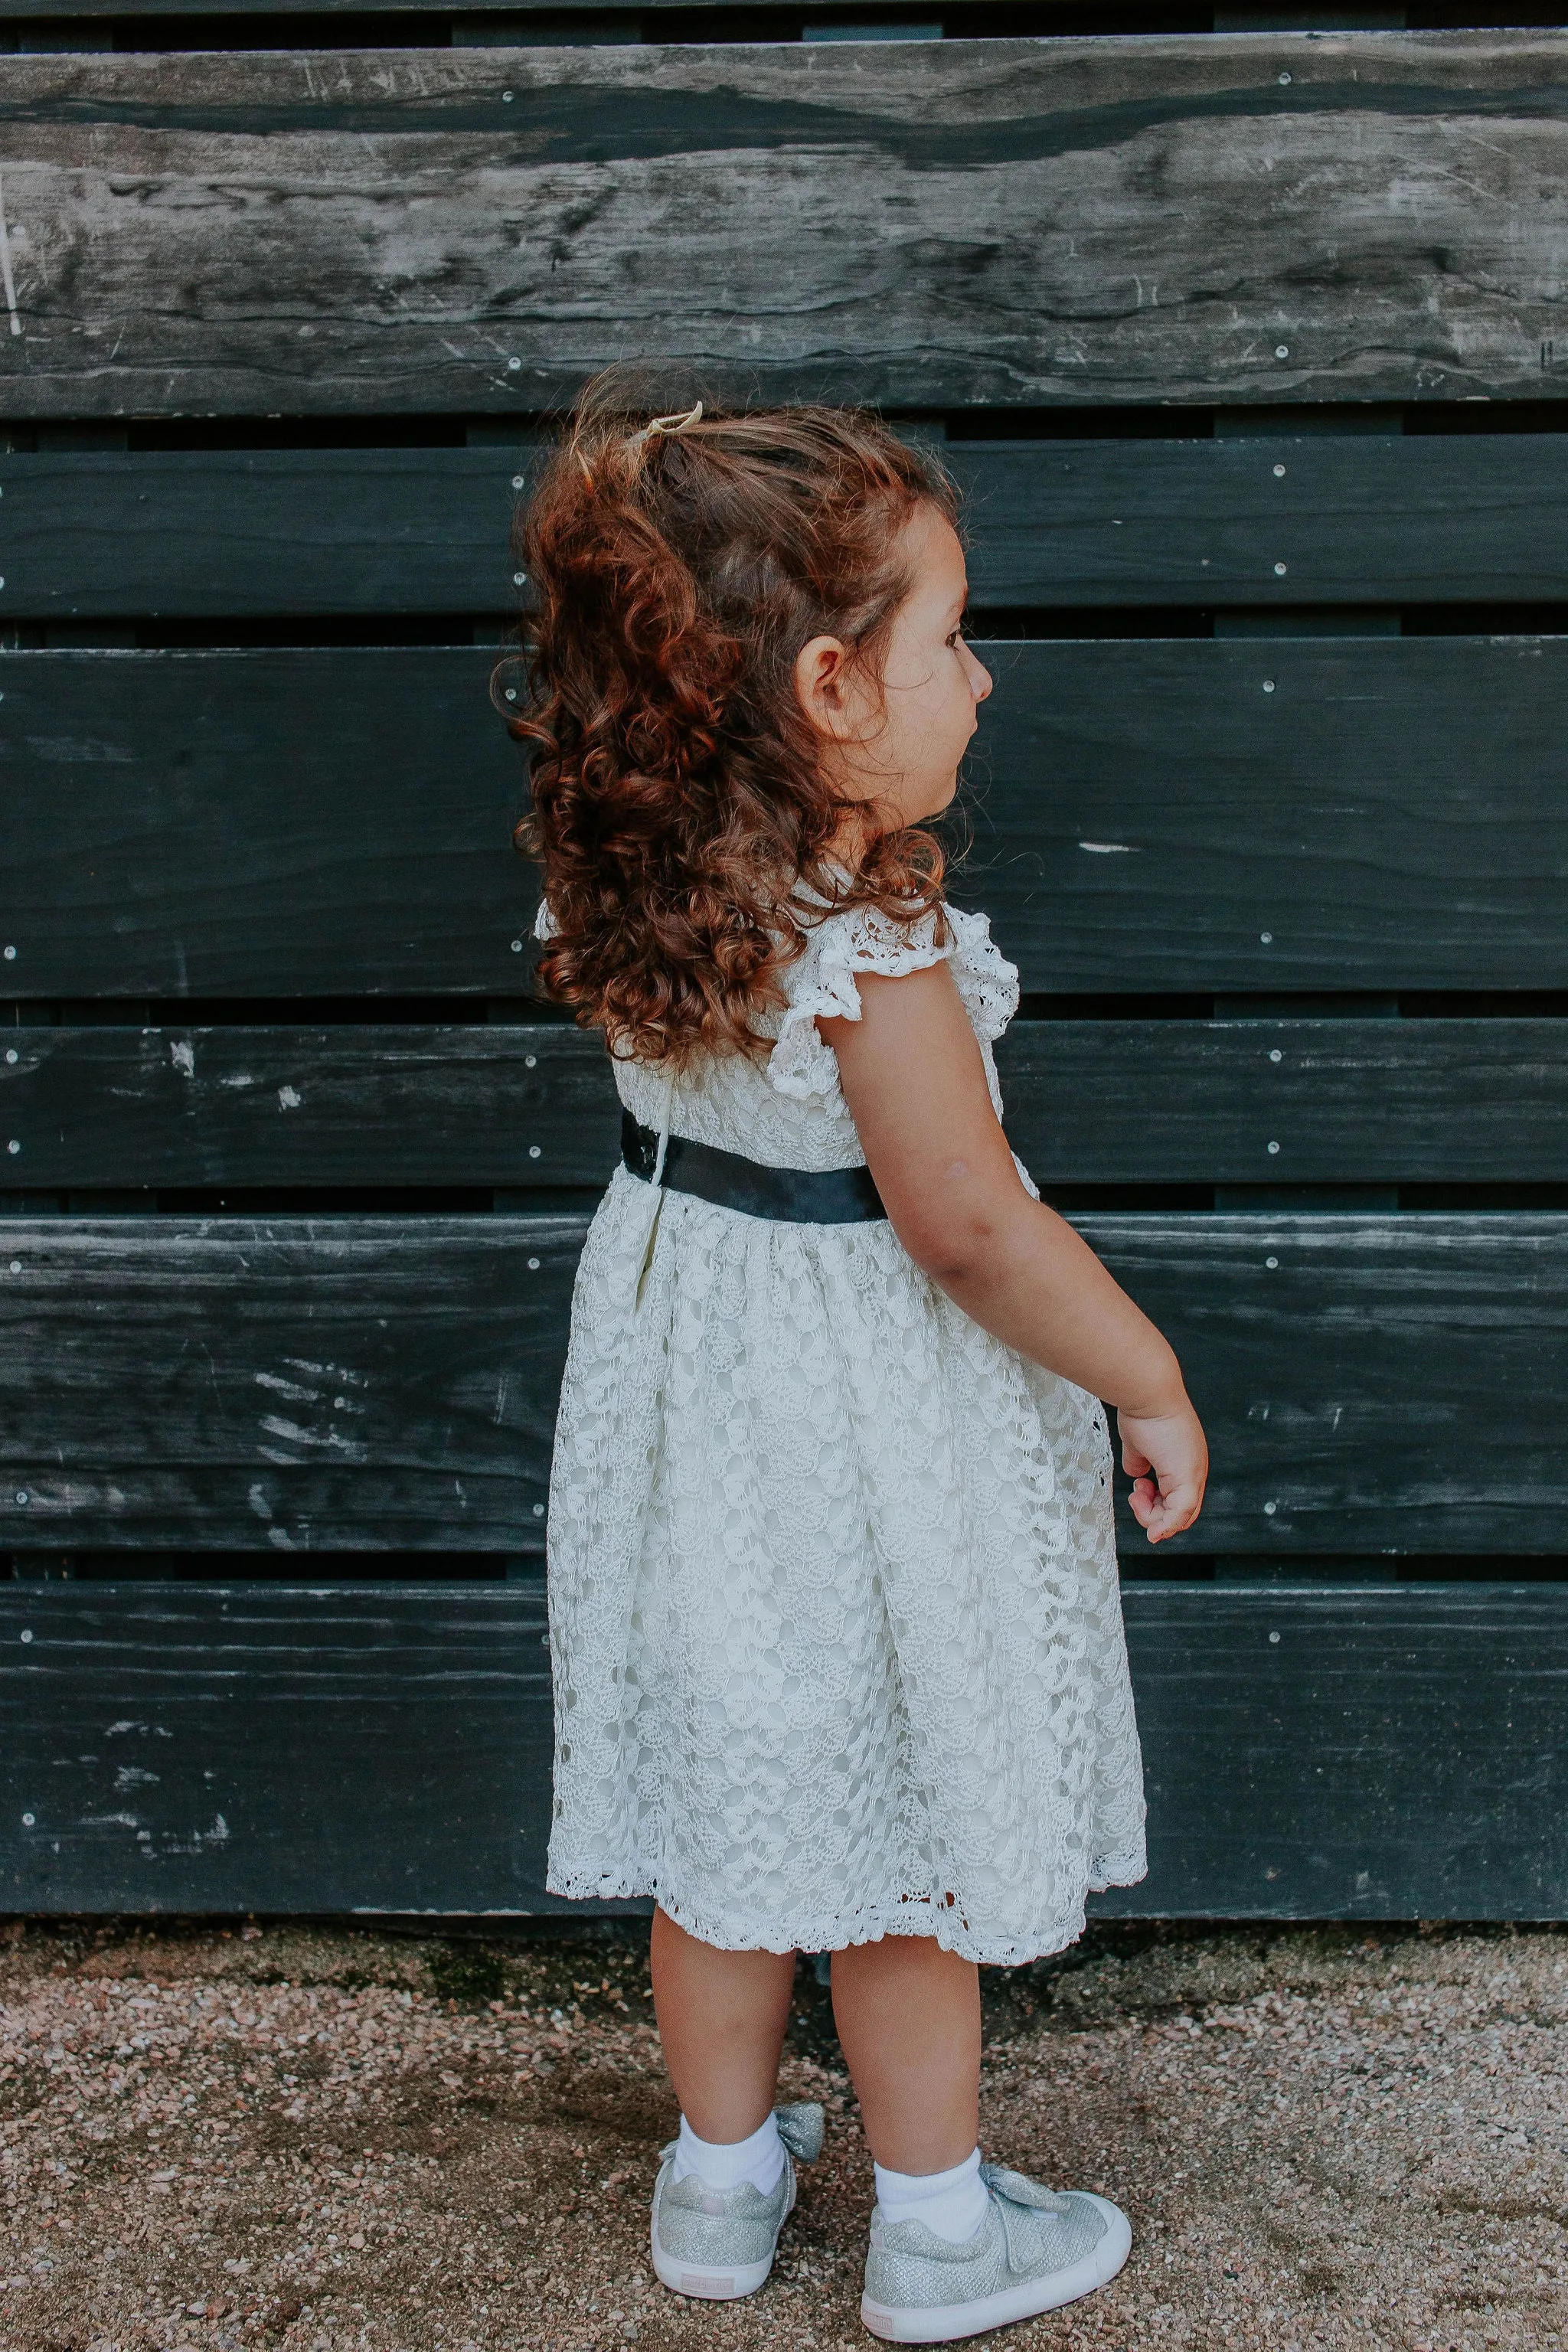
{"points": [[979, 677]]}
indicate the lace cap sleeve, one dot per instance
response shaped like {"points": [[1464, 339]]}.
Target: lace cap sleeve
{"points": [[821, 983]]}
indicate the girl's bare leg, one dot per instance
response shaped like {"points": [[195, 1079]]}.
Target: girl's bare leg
{"points": [[721, 2018], [909, 2024]]}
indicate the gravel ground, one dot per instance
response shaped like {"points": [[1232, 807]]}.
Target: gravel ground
{"points": [[319, 2138]]}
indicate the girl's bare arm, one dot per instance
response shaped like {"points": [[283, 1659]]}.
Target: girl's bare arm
{"points": [[916, 1087]]}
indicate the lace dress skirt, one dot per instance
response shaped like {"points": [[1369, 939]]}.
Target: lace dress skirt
{"points": [[835, 1620]]}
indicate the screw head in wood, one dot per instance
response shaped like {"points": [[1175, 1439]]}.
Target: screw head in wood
{"points": [[1275, 1054], [517, 947], [1269, 686], [507, 96], [22, 1495], [533, 1265], [534, 1150], [13, 1146], [520, 579], [10, 1053], [1274, 1637], [539, 1510], [516, 482], [1284, 78], [1267, 938], [1269, 1510], [1271, 1263], [514, 364], [29, 1821], [1281, 351], [27, 1634], [1279, 473], [10, 954], [1273, 1150], [1279, 570], [15, 1265]]}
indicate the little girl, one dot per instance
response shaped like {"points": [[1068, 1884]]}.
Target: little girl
{"points": [[833, 1601]]}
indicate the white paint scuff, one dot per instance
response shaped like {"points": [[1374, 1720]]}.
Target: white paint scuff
{"points": [[5, 271]]}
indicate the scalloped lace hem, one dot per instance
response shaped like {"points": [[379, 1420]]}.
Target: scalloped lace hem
{"points": [[831, 1932]]}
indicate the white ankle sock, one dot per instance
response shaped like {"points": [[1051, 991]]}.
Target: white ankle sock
{"points": [[951, 2203], [726, 2164]]}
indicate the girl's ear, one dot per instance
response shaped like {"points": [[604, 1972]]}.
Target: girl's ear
{"points": [[825, 688]]}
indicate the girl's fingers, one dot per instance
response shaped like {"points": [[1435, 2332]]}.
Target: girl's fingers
{"points": [[1162, 1515]]}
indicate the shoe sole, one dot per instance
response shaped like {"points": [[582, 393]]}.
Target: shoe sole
{"points": [[715, 2286], [950, 2323]]}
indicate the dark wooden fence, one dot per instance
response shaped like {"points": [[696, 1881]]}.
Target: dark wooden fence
{"points": [[1251, 345]]}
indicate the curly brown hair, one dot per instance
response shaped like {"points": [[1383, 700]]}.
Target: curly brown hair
{"points": [[680, 814]]}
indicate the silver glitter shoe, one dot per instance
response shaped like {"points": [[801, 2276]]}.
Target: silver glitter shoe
{"points": [[720, 2243], [1034, 2252]]}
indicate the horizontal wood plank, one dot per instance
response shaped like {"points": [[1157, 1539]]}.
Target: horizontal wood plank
{"points": [[1149, 814], [1238, 1102], [1369, 1383], [1393, 1752], [1428, 519], [1316, 519], [355, 1383], [1214, 218], [260, 825]]}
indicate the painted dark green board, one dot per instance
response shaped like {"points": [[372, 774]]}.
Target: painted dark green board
{"points": [[284, 1384], [1369, 1383], [1346, 812], [1233, 1102], [1390, 1752], [1211, 218], [1277, 522]]}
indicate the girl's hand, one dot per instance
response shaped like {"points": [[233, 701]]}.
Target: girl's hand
{"points": [[1167, 1458]]}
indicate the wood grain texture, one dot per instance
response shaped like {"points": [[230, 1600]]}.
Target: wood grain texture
{"points": [[1346, 1101], [1269, 814], [231, 533], [1369, 1383], [353, 1383], [1305, 814], [1395, 1752], [1072, 220], [221, 534], [260, 823], [380, 1748], [427, 1106], [1428, 519]]}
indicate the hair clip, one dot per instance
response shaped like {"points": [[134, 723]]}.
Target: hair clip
{"points": [[673, 423]]}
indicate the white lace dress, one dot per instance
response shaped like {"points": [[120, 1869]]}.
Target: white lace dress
{"points": [[834, 1613]]}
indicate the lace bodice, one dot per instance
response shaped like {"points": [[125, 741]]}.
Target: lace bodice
{"points": [[789, 1111]]}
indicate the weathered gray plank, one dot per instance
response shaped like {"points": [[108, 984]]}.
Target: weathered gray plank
{"points": [[1304, 813], [1239, 1102], [1084, 220], [1395, 1752], [1435, 520], [1369, 1383], [356, 1383]]}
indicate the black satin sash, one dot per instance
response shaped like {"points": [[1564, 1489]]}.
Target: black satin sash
{"points": [[794, 1196]]}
